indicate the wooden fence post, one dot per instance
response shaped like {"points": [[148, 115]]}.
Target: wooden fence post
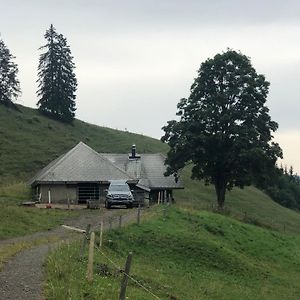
{"points": [[101, 234], [68, 201], [139, 214], [91, 258], [120, 221], [125, 277], [87, 232]]}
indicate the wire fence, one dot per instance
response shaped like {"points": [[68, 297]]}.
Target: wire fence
{"points": [[115, 265], [111, 222], [116, 221]]}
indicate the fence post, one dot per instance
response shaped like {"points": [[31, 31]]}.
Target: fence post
{"points": [[120, 221], [87, 232], [91, 258], [125, 277], [101, 234], [139, 214]]}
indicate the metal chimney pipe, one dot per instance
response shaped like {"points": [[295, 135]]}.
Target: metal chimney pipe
{"points": [[133, 151]]}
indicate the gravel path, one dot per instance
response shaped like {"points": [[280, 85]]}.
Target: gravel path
{"points": [[22, 277]]}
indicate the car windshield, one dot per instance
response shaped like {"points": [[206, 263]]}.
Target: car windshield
{"points": [[119, 188]]}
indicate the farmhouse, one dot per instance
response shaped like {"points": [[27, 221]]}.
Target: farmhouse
{"points": [[83, 174]]}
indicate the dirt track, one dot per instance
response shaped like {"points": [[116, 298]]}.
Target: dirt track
{"points": [[22, 277]]}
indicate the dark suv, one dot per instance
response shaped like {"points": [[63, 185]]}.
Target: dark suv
{"points": [[119, 193]]}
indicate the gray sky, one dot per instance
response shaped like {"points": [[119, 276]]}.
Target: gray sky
{"points": [[142, 56]]}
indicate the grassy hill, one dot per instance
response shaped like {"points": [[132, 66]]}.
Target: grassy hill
{"points": [[249, 205], [193, 254], [29, 140], [189, 255]]}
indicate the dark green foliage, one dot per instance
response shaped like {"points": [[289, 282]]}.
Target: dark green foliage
{"points": [[284, 188], [224, 128], [57, 81], [9, 84]]}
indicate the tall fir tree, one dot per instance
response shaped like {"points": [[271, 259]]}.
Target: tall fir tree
{"points": [[9, 84], [56, 78]]}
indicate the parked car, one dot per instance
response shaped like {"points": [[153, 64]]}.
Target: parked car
{"points": [[119, 193]]}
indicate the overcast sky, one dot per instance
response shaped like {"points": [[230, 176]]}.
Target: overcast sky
{"points": [[142, 56]]}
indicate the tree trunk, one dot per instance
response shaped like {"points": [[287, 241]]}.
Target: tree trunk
{"points": [[220, 187]]}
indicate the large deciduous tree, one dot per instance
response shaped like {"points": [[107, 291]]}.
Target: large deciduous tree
{"points": [[56, 78], [224, 129], [9, 84]]}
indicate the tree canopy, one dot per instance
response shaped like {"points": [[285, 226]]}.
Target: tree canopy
{"points": [[9, 84], [56, 78], [224, 129]]}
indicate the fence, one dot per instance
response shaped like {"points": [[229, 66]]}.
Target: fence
{"points": [[109, 224], [117, 222]]}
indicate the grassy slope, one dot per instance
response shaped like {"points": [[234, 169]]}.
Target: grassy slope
{"points": [[17, 221], [259, 207], [28, 141], [198, 253], [191, 255]]}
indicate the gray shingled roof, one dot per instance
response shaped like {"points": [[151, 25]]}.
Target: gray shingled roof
{"points": [[83, 164], [149, 169], [80, 164]]}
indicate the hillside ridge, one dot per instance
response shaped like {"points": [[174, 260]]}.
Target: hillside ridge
{"points": [[30, 140]]}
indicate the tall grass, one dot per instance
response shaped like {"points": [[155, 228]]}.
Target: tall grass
{"points": [[190, 255]]}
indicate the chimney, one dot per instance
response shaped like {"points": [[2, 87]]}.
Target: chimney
{"points": [[133, 154], [133, 151]]}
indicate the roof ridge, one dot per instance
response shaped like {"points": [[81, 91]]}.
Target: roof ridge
{"points": [[63, 157]]}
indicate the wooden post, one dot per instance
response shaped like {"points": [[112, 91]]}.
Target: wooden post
{"points": [[87, 232], [68, 201], [125, 277], [139, 214], [120, 221], [91, 258], [49, 196], [101, 235]]}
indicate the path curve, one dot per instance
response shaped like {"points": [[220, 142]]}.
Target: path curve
{"points": [[22, 276]]}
